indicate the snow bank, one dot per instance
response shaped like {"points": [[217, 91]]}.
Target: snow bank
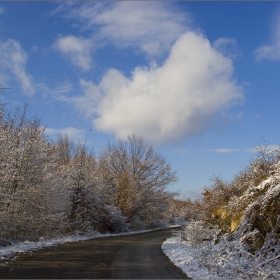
{"points": [[185, 258], [226, 260]]}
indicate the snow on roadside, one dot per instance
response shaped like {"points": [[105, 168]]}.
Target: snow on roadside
{"points": [[225, 260], [184, 257], [21, 247]]}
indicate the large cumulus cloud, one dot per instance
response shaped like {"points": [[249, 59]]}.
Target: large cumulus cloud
{"points": [[168, 102]]}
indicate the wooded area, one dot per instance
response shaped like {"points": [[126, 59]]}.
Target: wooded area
{"points": [[48, 189]]}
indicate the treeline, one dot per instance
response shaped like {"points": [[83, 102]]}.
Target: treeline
{"points": [[49, 188]]}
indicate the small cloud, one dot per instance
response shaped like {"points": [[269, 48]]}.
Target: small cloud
{"points": [[234, 115], [225, 151], [182, 151], [87, 102], [258, 116], [151, 27], [239, 116], [2, 10], [251, 150], [62, 88], [58, 92], [227, 46], [247, 84], [77, 49], [71, 132], [271, 51], [34, 48], [14, 58]]}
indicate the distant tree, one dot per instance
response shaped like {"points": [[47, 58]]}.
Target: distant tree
{"points": [[181, 210]]}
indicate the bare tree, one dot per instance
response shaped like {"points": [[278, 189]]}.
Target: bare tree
{"points": [[139, 176]]}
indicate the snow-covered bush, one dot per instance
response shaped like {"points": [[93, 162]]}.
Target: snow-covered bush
{"points": [[247, 212], [231, 259], [260, 216], [213, 203], [228, 259], [196, 232], [250, 204]]}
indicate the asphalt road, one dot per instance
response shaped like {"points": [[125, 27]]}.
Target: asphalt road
{"points": [[137, 256]]}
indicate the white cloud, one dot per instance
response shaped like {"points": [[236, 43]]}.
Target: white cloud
{"points": [[59, 92], [227, 46], [34, 48], [165, 103], [78, 50], [149, 26], [225, 151], [182, 151], [62, 88], [271, 51], [258, 116], [14, 58], [2, 10], [71, 132], [87, 102]]}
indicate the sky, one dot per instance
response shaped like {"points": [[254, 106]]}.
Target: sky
{"points": [[197, 80]]}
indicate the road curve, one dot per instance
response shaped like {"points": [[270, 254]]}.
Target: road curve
{"points": [[137, 256]]}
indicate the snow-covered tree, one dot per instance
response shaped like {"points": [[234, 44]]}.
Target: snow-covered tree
{"points": [[88, 205], [27, 168], [47, 189]]}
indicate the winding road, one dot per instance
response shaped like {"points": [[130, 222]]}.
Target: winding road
{"points": [[136, 256]]}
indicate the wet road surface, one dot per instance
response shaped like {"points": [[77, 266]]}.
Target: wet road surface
{"points": [[137, 256]]}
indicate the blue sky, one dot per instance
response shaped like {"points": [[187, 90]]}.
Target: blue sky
{"points": [[198, 80]]}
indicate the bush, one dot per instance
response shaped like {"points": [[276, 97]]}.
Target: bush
{"points": [[196, 232]]}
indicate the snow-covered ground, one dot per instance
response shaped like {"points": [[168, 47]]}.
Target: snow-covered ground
{"points": [[225, 260], [184, 257]]}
